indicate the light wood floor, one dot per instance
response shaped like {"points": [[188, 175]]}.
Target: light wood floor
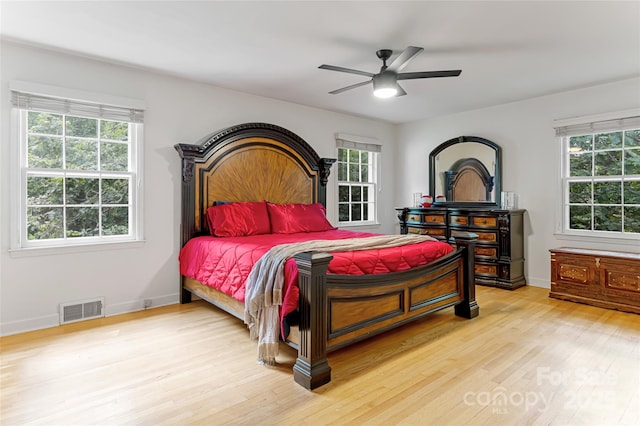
{"points": [[526, 359]]}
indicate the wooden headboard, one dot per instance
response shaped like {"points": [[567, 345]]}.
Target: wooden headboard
{"points": [[468, 180], [248, 162]]}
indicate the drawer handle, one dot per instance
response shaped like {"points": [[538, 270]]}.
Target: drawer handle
{"points": [[597, 262]]}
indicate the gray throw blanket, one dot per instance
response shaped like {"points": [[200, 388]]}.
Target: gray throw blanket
{"points": [[263, 292]]}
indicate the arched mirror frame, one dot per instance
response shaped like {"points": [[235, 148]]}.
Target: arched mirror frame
{"points": [[433, 171]]}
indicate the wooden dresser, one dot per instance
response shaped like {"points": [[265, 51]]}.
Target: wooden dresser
{"points": [[608, 279], [499, 254]]}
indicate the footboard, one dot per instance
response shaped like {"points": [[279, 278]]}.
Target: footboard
{"points": [[337, 310]]}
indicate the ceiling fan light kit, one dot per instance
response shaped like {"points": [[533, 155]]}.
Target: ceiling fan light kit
{"points": [[385, 83]]}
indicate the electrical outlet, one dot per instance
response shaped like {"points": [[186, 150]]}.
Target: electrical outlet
{"points": [[147, 303]]}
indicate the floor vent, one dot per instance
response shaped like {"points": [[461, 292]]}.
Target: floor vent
{"points": [[80, 311]]}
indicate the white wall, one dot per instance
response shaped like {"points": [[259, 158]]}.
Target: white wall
{"points": [[178, 111], [530, 158]]}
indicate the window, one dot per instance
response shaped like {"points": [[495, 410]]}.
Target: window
{"points": [[357, 181], [79, 177], [601, 178]]}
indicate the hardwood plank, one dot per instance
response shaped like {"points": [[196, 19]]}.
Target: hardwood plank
{"points": [[552, 362]]}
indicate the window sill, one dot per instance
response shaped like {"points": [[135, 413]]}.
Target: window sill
{"points": [[358, 225], [631, 241], [72, 249]]}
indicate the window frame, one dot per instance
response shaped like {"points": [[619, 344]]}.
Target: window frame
{"points": [[374, 150], [591, 125], [20, 244]]}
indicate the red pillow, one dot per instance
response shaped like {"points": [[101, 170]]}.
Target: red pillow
{"points": [[238, 219], [293, 218]]}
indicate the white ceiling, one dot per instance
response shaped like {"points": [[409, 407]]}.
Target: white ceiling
{"points": [[507, 50]]}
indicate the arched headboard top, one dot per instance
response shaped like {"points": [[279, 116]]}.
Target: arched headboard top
{"points": [[248, 162]]}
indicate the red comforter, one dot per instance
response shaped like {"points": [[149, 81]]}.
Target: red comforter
{"points": [[225, 263]]}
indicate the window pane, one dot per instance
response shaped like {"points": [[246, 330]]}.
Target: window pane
{"points": [[580, 217], [607, 193], [356, 212], [44, 190], [607, 218], [82, 222], [580, 143], [343, 194], [342, 172], [608, 163], [632, 192], [44, 152], [114, 130], [580, 164], [365, 212], [41, 122], [115, 191], [115, 220], [608, 140], [342, 154], [354, 173], [354, 156], [364, 157], [82, 127], [632, 219], [632, 161], [44, 223], [114, 156], [81, 154], [364, 173], [365, 193], [579, 192], [82, 190], [356, 193], [632, 138], [343, 212]]}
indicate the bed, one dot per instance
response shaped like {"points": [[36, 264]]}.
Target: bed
{"points": [[252, 164]]}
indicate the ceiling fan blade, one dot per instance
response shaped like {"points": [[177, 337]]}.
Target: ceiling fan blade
{"points": [[401, 61], [353, 86], [347, 70], [401, 91], [428, 74]]}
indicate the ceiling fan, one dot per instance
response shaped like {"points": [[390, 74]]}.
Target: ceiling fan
{"points": [[385, 83]]}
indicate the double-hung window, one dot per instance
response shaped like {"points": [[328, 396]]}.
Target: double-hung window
{"points": [[358, 176], [79, 177], [601, 177]]}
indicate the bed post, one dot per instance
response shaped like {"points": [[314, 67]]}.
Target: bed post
{"points": [[312, 369], [468, 308]]}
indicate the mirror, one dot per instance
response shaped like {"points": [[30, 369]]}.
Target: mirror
{"points": [[466, 170]]}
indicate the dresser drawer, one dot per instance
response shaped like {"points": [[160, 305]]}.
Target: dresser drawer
{"points": [[434, 232], [417, 218], [485, 221], [434, 218], [489, 252], [486, 269], [487, 237], [419, 231], [458, 220]]}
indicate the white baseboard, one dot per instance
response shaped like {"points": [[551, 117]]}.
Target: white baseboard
{"points": [[538, 282], [31, 324], [53, 320], [138, 305]]}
